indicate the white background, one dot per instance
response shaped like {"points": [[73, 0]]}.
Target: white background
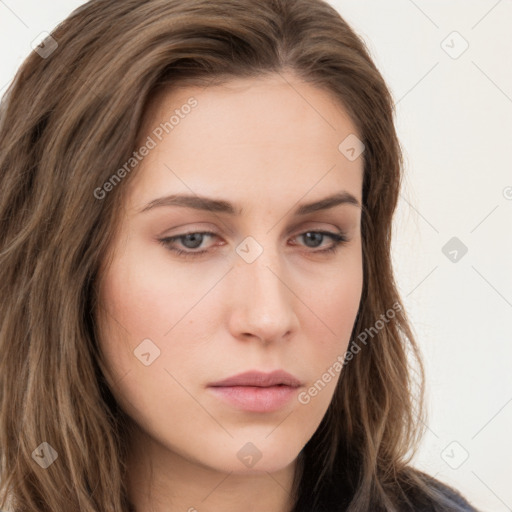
{"points": [[454, 119]]}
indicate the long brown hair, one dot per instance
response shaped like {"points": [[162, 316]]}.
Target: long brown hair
{"points": [[68, 121]]}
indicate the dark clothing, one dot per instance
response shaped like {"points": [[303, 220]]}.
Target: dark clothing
{"points": [[459, 502]]}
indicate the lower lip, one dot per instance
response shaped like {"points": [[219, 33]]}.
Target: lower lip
{"points": [[255, 399]]}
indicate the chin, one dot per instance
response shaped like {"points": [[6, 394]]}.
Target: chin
{"points": [[262, 467], [258, 458]]}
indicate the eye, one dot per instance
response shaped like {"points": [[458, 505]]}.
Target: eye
{"points": [[190, 240], [194, 240], [316, 236]]}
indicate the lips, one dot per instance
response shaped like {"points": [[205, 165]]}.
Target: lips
{"points": [[259, 379], [256, 391]]}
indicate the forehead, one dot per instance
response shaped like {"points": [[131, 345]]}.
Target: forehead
{"points": [[275, 101], [272, 130]]}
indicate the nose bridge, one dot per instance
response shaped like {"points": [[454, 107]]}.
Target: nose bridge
{"points": [[262, 302], [262, 274]]}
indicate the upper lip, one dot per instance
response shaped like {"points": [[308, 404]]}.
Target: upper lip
{"points": [[260, 379]]}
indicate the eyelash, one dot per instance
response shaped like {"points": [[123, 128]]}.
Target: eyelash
{"points": [[338, 240]]}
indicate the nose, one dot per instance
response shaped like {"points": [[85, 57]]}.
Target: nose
{"points": [[262, 302]]}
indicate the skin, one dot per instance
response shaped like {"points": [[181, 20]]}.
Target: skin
{"points": [[267, 145]]}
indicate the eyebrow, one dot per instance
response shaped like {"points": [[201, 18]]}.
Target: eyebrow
{"points": [[221, 206]]}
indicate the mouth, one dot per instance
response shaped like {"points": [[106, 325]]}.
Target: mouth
{"points": [[257, 391]]}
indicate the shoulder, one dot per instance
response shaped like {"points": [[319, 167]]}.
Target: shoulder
{"points": [[451, 494], [447, 499]]}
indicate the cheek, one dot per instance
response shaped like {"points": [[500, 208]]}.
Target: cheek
{"points": [[151, 293], [341, 304], [139, 306], [328, 337], [131, 299], [141, 300], [334, 309]]}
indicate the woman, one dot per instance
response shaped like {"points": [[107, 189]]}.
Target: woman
{"points": [[198, 304]]}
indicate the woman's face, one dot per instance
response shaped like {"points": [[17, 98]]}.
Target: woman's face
{"points": [[263, 294]]}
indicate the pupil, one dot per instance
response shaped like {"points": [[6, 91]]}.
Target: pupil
{"points": [[313, 236], [191, 237]]}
